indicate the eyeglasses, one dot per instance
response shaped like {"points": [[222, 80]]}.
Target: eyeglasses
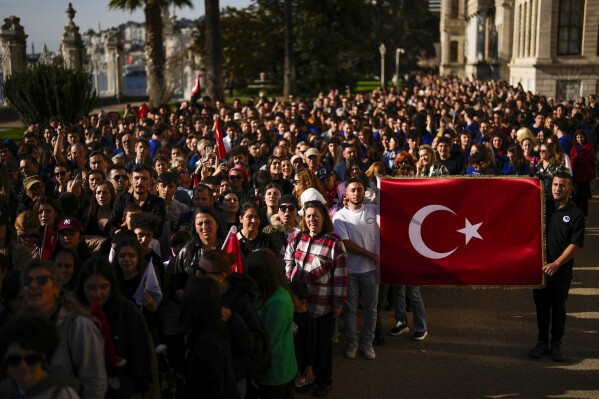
{"points": [[233, 177], [120, 177], [30, 360], [284, 208], [60, 173], [40, 280]]}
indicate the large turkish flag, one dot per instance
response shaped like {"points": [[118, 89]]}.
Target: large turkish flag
{"points": [[461, 231]]}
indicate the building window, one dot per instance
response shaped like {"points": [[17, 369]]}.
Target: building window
{"points": [[569, 35], [453, 51], [567, 90], [455, 8]]}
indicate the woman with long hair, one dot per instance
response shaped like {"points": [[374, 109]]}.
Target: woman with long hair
{"points": [[272, 194], [317, 256], [530, 155], [304, 180], [210, 370], [250, 237], [274, 167], [427, 164], [516, 163], [98, 288], [95, 220], [275, 309]]}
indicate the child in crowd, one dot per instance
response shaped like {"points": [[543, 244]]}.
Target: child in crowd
{"points": [[133, 209], [144, 225], [304, 331]]}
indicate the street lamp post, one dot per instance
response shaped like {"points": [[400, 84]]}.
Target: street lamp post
{"points": [[397, 53], [382, 50], [117, 83]]}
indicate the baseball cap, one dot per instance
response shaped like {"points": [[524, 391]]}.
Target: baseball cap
{"points": [[70, 224], [295, 158], [29, 181], [288, 199], [312, 151], [324, 173]]}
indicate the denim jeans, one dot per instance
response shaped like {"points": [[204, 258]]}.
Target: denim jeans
{"points": [[413, 293], [361, 286]]}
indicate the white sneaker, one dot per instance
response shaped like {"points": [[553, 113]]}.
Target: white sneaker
{"points": [[351, 351], [368, 352]]}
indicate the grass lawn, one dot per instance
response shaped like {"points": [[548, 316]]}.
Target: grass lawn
{"points": [[15, 133]]}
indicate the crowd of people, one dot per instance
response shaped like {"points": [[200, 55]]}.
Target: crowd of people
{"points": [[112, 231]]}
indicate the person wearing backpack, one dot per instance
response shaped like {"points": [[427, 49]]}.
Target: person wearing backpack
{"points": [[249, 340]]}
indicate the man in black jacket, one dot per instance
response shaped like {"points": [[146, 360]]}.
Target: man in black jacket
{"points": [[141, 177]]}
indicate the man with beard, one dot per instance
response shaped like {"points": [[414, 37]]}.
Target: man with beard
{"points": [[141, 177], [357, 226]]}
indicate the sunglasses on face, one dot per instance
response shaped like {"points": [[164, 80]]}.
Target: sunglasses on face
{"points": [[285, 208], [40, 280], [60, 173], [234, 177], [30, 360], [120, 177]]}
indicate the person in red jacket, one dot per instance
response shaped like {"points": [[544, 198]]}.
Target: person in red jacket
{"points": [[581, 158]]}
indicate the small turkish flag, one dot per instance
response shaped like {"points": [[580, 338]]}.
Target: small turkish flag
{"points": [[233, 247], [220, 144], [461, 231]]}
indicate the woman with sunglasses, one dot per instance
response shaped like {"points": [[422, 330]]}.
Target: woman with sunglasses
{"points": [[62, 174], [79, 358], [28, 344], [317, 256], [239, 178]]}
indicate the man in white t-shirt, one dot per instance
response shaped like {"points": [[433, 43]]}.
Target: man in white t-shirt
{"points": [[357, 226]]}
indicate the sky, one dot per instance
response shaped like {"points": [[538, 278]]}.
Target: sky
{"points": [[44, 20]]}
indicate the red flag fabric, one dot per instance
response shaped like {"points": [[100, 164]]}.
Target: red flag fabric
{"points": [[461, 231], [232, 246], [197, 87], [220, 144], [100, 319], [143, 111]]}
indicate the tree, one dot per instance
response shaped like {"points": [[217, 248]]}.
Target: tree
{"points": [[213, 59], [289, 74], [44, 91], [155, 53]]}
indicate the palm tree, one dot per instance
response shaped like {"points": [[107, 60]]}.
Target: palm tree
{"points": [[155, 54]]}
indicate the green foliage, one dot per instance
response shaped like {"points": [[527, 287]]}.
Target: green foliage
{"points": [[335, 41], [49, 90]]}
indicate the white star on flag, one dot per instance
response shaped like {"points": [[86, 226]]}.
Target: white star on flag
{"points": [[470, 231]]}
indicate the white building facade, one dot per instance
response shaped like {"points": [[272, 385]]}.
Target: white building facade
{"points": [[550, 47]]}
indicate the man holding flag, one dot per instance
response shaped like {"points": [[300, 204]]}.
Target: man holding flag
{"points": [[565, 236]]}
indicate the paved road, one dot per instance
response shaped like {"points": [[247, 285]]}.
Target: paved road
{"points": [[478, 345]]}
